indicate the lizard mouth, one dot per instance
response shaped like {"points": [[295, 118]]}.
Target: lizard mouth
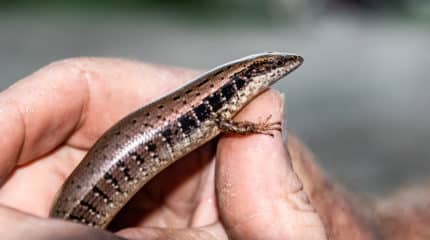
{"points": [[293, 62]]}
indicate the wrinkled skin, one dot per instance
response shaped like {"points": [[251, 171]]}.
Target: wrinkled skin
{"points": [[257, 188]]}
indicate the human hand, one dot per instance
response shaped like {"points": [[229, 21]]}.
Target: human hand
{"points": [[50, 119]]}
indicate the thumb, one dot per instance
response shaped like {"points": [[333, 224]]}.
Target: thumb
{"points": [[260, 196]]}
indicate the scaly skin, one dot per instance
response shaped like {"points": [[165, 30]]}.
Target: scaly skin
{"points": [[145, 142]]}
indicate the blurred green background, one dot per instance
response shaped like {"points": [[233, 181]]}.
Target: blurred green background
{"points": [[360, 100]]}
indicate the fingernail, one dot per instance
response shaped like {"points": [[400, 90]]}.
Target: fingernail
{"points": [[283, 115]]}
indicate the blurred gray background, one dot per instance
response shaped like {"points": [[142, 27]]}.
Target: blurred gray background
{"points": [[360, 101]]}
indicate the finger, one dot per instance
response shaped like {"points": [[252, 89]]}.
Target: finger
{"points": [[212, 232], [343, 218], [17, 225], [88, 94], [259, 195], [404, 213]]}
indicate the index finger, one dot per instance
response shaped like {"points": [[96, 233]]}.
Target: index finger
{"points": [[75, 101]]}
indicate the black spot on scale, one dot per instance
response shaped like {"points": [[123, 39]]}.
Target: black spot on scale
{"points": [[76, 218], [240, 83], [249, 73], [168, 135], [80, 219], [125, 170], [281, 62], [202, 112], [109, 178], [176, 98], [151, 146], [89, 206], [98, 191], [203, 82], [228, 90], [218, 72], [215, 101], [188, 122], [59, 212], [133, 156]]}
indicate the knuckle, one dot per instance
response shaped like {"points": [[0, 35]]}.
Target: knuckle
{"points": [[74, 69], [78, 63]]}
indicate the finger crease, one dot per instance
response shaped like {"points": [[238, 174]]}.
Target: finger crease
{"points": [[21, 120], [84, 79]]}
